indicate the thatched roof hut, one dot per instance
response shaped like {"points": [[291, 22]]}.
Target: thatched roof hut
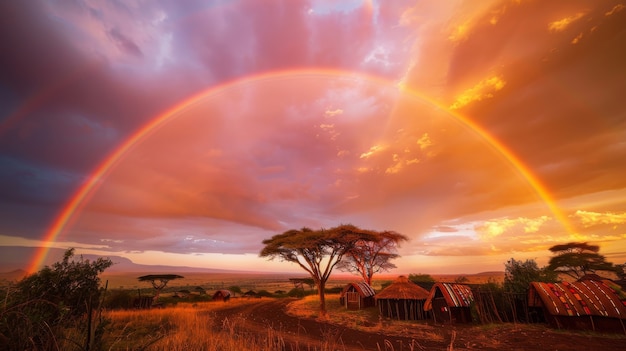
{"points": [[450, 303], [355, 296], [598, 305], [403, 300]]}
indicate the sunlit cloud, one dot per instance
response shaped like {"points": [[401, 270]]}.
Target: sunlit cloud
{"points": [[333, 113], [460, 32], [562, 24], [589, 218], [372, 151], [313, 115], [485, 89], [617, 8], [494, 228], [424, 142]]}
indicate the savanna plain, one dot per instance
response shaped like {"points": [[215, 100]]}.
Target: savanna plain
{"points": [[280, 317]]}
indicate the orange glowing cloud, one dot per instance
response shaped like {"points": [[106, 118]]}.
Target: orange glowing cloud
{"points": [[485, 89], [562, 24]]}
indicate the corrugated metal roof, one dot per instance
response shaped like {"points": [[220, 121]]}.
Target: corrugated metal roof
{"points": [[456, 295], [362, 288], [582, 298]]}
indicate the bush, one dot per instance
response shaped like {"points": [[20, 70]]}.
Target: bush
{"points": [[119, 299], [44, 305]]}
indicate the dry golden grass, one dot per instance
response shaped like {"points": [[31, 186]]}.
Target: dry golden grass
{"points": [[184, 327]]}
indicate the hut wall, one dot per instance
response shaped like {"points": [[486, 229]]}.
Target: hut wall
{"points": [[444, 314], [354, 301], [402, 309], [594, 323]]}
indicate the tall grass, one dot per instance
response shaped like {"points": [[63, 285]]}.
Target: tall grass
{"points": [[191, 327]]}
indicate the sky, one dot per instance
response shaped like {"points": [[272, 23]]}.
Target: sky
{"points": [[187, 132]]}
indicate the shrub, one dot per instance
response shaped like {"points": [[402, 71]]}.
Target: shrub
{"points": [[44, 305]]}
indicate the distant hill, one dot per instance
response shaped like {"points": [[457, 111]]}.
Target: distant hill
{"points": [[16, 258], [12, 276], [123, 264]]}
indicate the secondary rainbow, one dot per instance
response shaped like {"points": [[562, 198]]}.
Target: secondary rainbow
{"points": [[81, 196]]}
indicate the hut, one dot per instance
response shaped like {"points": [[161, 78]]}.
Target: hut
{"points": [[356, 296], [598, 305], [403, 300], [450, 303], [223, 295]]}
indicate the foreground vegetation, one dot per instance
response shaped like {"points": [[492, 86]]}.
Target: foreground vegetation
{"points": [[182, 327], [66, 307]]}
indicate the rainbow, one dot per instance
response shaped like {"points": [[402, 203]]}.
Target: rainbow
{"points": [[44, 95], [82, 195]]}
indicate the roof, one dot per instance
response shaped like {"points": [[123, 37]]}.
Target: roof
{"points": [[362, 288], [582, 298], [456, 295], [403, 289]]}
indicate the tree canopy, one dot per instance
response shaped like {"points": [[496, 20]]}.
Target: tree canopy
{"points": [[577, 259], [421, 278], [315, 251], [519, 274], [372, 254], [159, 281]]}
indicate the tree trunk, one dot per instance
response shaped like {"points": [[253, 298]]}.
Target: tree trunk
{"points": [[320, 290]]}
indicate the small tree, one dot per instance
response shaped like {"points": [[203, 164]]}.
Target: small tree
{"points": [[577, 259], [421, 278], [159, 281], [461, 279], [315, 251], [235, 289], [519, 274], [620, 270], [372, 254]]}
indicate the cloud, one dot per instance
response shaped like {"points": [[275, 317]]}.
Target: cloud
{"points": [[494, 228], [484, 89], [589, 218], [562, 24], [270, 148]]}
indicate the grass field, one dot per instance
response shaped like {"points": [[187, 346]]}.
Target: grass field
{"points": [[267, 281]]}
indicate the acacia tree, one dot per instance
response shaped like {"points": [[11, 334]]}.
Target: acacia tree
{"points": [[372, 254], [315, 251], [576, 259], [159, 281]]}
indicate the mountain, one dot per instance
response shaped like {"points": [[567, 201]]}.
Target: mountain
{"points": [[15, 259], [12, 276]]}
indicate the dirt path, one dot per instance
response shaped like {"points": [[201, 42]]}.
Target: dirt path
{"points": [[269, 319], [271, 314]]}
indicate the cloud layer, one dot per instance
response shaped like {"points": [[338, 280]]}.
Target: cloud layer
{"points": [[315, 113]]}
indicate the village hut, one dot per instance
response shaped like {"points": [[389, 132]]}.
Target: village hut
{"points": [[356, 296], [598, 305], [402, 300], [450, 303], [223, 295]]}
